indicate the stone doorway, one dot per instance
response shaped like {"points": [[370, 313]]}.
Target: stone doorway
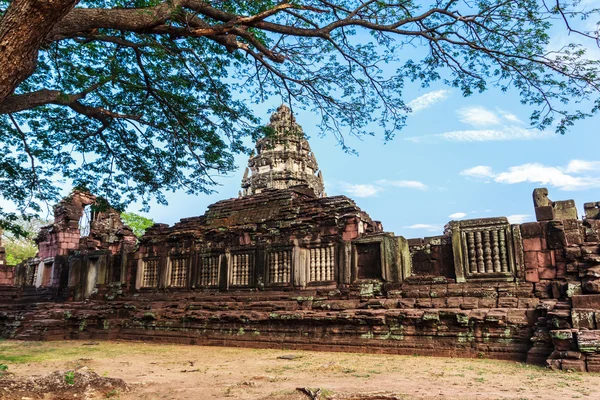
{"points": [[369, 260]]}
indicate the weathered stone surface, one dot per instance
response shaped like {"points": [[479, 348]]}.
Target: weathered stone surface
{"points": [[592, 210], [284, 266], [588, 341], [284, 159], [548, 210], [583, 318]]}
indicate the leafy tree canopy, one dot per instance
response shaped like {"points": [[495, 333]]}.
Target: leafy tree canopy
{"points": [[21, 247], [136, 222], [132, 98]]}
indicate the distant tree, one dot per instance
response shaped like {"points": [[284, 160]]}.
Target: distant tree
{"points": [[136, 222], [131, 98], [22, 246]]}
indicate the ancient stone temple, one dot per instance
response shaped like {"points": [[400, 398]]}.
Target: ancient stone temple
{"points": [[283, 159], [285, 266]]}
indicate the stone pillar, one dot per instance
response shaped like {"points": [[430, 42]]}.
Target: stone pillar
{"points": [[344, 263]]}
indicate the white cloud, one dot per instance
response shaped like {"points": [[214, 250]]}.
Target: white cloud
{"points": [[404, 184], [457, 215], [576, 166], [538, 173], [360, 190], [564, 178], [428, 99], [495, 135], [485, 135], [480, 171], [518, 218], [372, 189], [477, 116], [426, 227], [510, 117]]}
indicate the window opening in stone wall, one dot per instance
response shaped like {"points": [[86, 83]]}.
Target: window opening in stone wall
{"points": [[85, 222], [150, 277], [209, 271], [279, 265], [322, 263], [242, 268], [487, 251], [179, 272]]}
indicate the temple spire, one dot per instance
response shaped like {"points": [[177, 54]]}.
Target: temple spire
{"points": [[283, 159]]}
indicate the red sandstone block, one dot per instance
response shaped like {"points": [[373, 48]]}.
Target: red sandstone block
{"points": [[544, 213], [508, 302], [586, 301], [547, 273], [438, 302], [573, 237], [406, 303], [545, 259], [478, 315], [531, 229], [455, 289], [532, 244], [518, 317], [561, 269], [573, 365], [454, 302], [424, 303], [469, 303], [351, 227], [531, 260], [347, 236], [593, 362], [532, 275], [487, 302]]}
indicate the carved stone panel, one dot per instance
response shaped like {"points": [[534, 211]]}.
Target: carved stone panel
{"points": [[241, 269], [279, 267], [483, 249], [208, 270], [322, 264], [179, 271], [150, 274]]}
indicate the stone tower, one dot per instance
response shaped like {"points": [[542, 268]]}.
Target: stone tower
{"points": [[283, 159]]}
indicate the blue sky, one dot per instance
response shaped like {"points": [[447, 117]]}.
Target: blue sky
{"points": [[457, 158]]}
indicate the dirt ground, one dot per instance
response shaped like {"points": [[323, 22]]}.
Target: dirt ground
{"points": [[159, 371]]}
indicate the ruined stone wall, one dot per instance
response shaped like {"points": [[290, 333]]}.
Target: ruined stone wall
{"points": [[275, 239], [486, 288], [396, 319], [71, 262]]}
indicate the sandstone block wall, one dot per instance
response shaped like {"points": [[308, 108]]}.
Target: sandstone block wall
{"points": [[287, 269]]}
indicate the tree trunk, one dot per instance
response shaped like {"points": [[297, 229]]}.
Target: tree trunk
{"points": [[22, 31]]}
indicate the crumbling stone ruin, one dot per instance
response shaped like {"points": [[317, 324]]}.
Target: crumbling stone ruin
{"points": [[63, 249], [283, 159], [285, 266]]}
